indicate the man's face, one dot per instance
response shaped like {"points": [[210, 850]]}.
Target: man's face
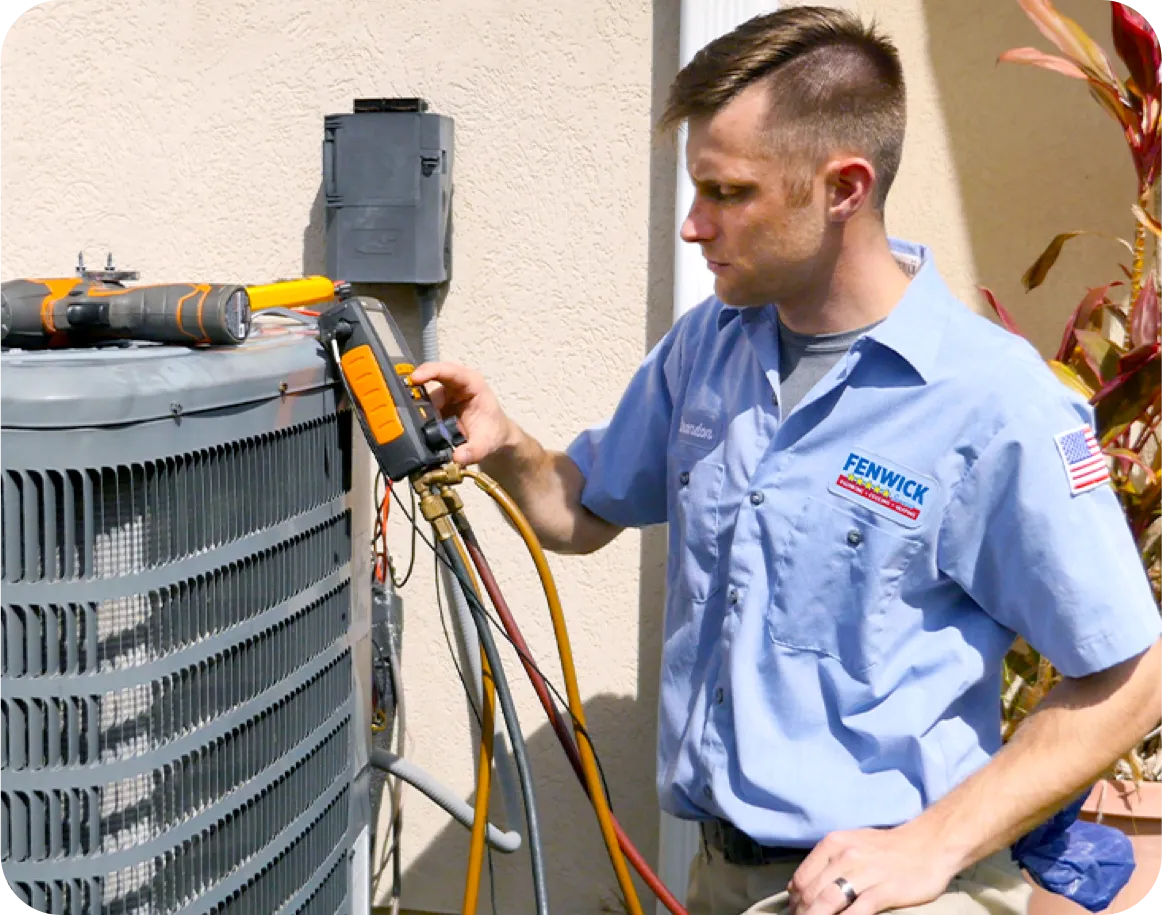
{"points": [[761, 246]]}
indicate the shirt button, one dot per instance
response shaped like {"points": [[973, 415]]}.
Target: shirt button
{"points": [[684, 478], [757, 498], [733, 596], [707, 791], [775, 400], [854, 537], [719, 696]]}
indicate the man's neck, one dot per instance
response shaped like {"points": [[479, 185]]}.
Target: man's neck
{"points": [[860, 286]]}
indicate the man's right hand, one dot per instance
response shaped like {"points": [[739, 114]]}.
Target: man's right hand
{"points": [[457, 390], [547, 485]]}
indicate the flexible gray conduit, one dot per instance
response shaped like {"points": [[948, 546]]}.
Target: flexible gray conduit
{"points": [[443, 797], [463, 626]]}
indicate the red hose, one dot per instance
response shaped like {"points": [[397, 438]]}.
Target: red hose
{"points": [[560, 728]]}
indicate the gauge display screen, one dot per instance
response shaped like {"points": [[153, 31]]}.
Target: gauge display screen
{"points": [[383, 327]]}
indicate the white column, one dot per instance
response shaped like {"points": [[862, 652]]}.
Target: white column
{"points": [[700, 22]]}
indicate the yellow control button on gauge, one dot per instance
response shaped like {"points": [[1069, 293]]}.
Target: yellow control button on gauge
{"points": [[370, 389]]}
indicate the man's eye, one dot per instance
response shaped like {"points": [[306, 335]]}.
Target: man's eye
{"points": [[726, 192]]}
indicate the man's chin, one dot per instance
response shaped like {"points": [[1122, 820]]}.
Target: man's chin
{"points": [[730, 294]]}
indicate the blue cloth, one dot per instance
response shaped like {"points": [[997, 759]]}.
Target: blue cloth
{"points": [[832, 652], [1087, 862]]}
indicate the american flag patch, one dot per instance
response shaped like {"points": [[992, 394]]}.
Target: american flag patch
{"points": [[1083, 459]]}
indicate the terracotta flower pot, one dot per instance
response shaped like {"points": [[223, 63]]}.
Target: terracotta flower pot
{"points": [[1135, 812]]}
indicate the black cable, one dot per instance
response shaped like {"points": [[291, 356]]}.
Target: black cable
{"points": [[492, 879], [512, 725], [564, 705], [436, 569], [415, 530], [378, 499]]}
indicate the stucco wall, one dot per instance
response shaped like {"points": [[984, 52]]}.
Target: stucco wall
{"points": [[185, 136]]}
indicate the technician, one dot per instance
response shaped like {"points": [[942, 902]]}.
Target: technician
{"points": [[870, 491]]}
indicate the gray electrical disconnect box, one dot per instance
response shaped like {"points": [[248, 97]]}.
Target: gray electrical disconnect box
{"points": [[387, 180]]}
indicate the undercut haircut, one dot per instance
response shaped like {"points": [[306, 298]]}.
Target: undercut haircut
{"points": [[835, 85]]}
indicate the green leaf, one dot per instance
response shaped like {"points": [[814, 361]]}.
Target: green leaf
{"points": [[1124, 454], [1081, 318], [1071, 378], [1102, 355], [1037, 272], [1112, 101], [1125, 398]]}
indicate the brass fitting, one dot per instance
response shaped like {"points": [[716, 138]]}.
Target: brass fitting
{"points": [[433, 507], [454, 473], [452, 499], [444, 528], [449, 475]]}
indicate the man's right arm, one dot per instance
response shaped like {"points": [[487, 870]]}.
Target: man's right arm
{"points": [[546, 485]]}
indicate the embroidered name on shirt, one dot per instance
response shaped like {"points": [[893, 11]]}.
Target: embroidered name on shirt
{"points": [[698, 429], [695, 430], [890, 490]]}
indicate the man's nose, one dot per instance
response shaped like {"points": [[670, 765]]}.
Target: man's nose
{"points": [[696, 227]]}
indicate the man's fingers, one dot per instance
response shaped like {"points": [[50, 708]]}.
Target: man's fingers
{"points": [[464, 456], [811, 867], [436, 393], [868, 903], [827, 898], [450, 374]]}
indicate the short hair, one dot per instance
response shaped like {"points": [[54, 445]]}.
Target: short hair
{"points": [[836, 85]]}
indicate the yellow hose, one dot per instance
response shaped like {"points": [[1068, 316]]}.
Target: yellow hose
{"points": [[484, 767], [574, 698], [481, 805]]}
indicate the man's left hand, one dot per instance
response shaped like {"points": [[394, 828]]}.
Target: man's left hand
{"points": [[887, 868]]}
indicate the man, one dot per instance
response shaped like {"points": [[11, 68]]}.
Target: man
{"points": [[870, 491]]}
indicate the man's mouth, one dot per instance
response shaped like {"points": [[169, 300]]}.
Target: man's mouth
{"points": [[716, 267]]}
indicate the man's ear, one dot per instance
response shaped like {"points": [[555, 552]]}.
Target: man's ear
{"points": [[848, 185]]}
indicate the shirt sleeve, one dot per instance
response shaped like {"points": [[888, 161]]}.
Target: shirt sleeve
{"points": [[1059, 568], [624, 459]]}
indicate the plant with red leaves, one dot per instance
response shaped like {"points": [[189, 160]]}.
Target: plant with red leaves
{"points": [[1110, 350]]}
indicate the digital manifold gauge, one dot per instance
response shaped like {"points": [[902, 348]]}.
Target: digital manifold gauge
{"points": [[403, 428]]}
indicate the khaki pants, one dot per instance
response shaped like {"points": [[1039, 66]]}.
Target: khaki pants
{"points": [[993, 886]]}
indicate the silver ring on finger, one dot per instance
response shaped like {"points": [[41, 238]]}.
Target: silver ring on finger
{"points": [[850, 893]]}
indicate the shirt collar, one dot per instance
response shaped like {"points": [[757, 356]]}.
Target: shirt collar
{"points": [[913, 328]]}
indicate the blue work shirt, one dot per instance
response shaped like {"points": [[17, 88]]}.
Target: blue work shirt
{"points": [[843, 582]]}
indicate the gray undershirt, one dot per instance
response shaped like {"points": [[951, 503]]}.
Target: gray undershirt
{"points": [[806, 358]]}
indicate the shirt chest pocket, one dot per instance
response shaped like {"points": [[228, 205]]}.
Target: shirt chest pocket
{"points": [[835, 582], [699, 485]]}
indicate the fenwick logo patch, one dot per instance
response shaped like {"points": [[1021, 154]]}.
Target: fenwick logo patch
{"points": [[890, 490]]}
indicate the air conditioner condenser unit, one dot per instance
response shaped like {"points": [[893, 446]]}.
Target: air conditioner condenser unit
{"points": [[185, 631]]}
